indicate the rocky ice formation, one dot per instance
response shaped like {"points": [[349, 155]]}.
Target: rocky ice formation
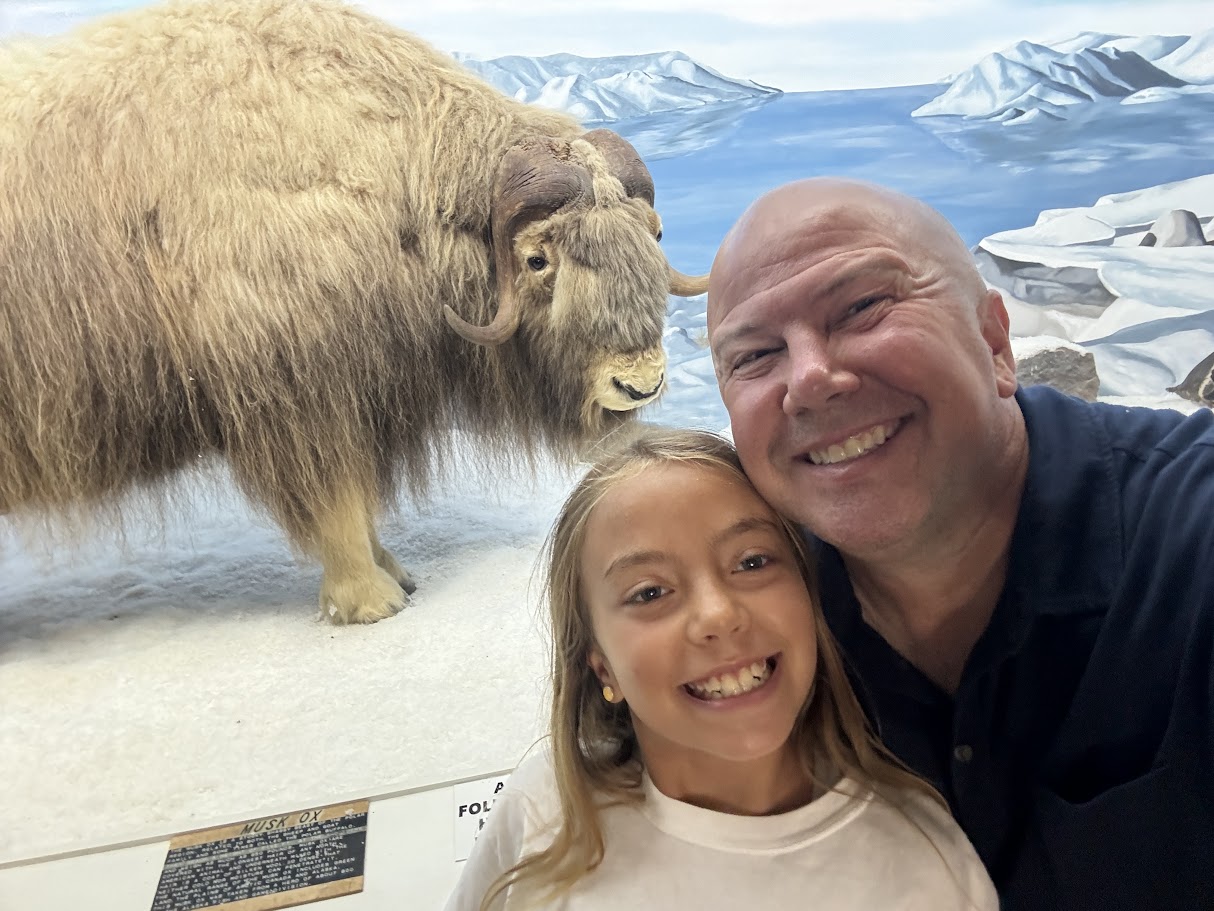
{"points": [[1178, 228], [1129, 279], [1198, 386], [1056, 362]]}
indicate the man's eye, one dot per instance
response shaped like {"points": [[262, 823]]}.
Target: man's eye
{"points": [[646, 594], [751, 357], [865, 302]]}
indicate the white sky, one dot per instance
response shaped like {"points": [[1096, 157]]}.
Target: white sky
{"points": [[794, 45]]}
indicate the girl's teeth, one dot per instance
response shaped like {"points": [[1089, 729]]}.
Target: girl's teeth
{"points": [[726, 685]]}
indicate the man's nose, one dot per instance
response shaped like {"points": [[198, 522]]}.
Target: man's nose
{"points": [[815, 373]]}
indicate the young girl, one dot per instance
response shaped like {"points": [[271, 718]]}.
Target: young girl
{"points": [[706, 749]]}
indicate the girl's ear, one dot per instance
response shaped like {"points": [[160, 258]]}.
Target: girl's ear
{"points": [[602, 670]]}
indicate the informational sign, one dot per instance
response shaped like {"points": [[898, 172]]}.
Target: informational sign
{"points": [[472, 802], [269, 863]]}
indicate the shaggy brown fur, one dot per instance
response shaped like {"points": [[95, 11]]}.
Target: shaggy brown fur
{"points": [[230, 228]]}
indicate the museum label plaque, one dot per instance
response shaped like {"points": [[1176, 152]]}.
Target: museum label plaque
{"points": [[268, 863], [472, 802]]}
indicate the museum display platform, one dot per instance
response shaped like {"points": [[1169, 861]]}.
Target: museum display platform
{"points": [[178, 678]]}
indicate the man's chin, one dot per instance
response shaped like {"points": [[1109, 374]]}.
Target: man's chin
{"points": [[857, 529]]}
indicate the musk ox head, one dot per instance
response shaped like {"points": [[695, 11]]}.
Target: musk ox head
{"points": [[581, 280]]}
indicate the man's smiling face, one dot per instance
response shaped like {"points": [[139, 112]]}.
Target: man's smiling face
{"points": [[862, 362]]}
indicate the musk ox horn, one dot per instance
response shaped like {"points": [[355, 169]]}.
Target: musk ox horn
{"points": [[625, 163], [531, 183], [683, 285]]}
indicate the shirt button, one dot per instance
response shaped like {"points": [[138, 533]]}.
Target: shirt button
{"points": [[963, 752]]}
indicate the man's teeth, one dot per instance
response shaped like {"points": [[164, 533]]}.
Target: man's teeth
{"points": [[854, 446], [726, 685]]}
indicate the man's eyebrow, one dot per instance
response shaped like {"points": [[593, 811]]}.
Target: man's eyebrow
{"points": [[869, 265], [729, 336], [877, 264]]}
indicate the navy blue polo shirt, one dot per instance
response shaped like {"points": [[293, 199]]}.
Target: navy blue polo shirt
{"points": [[1078, 750]]}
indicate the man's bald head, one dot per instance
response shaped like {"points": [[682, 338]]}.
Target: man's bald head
{"points": [[821, 212], [866, 368]]}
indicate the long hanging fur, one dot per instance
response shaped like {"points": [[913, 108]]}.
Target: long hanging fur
{"points": [[229, 227]]}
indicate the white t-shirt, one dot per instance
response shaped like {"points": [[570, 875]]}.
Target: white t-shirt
{"points": [[840, 852]]}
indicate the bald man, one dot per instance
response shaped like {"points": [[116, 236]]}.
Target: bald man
{"points": [[1022, 582]]}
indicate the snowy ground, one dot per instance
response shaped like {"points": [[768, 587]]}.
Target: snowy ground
{"points": [[182, 678]]}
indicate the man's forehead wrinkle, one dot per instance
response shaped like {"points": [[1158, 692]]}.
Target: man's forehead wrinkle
{"points": [[749, 267], [814, 220], [809, 283]]}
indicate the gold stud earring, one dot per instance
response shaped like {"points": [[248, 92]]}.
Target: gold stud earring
{"points": [[609, 694]]}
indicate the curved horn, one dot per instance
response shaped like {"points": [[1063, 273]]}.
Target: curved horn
{"points": [[683, 285], [625, 163], [531, 182]]}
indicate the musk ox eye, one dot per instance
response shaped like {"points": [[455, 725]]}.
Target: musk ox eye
{"points": [[537, 263], [659, 237]]}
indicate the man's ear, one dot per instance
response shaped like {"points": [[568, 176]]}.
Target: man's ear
{"points": [[996, 331]]}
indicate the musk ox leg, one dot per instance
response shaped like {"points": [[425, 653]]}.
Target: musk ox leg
{"points": [[388, 564], [355, 587]]}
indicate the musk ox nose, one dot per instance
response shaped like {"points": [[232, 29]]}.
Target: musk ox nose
{"points": [[636, 394]]}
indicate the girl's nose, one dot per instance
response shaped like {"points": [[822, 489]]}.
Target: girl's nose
{"points": [[716, 614]]}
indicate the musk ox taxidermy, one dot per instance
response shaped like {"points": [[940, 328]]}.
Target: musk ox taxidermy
{"points": [[290, 236]]}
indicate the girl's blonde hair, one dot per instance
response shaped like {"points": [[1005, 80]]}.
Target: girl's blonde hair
{"points": [[594, 747]]}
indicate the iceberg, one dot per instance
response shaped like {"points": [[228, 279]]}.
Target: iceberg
{"points": [[1030, 82], [596, 89], [1193, 61], [1149, 47], [1042, 83]]}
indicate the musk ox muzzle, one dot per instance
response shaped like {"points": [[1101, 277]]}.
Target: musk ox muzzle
{"points": [[626, 382]]}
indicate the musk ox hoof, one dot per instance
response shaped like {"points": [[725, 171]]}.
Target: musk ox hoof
{"points": [[360, 599], [388, 564]]}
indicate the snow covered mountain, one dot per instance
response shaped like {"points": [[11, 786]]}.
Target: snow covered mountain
{"points": [[1190, 59], [1149, 47], [613, 88], [1193, 61], [1029, 81]]}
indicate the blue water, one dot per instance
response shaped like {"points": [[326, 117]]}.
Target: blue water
{"points": [[709, 165]]}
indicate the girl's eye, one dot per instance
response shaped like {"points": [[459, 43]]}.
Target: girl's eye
{"points": [[757, 561], [646, 594]]}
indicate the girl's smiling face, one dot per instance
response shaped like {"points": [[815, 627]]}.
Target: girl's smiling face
{"points": [[701, 618]]}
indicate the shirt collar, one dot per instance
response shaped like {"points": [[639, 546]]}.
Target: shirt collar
{"points": [[1067, 545]]}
